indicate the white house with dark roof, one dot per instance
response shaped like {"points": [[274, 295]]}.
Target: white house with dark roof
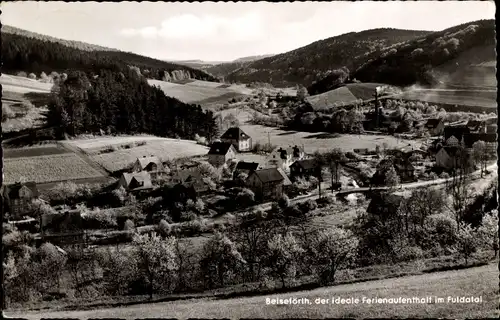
{"points": [[239, 139], [149, 164]]}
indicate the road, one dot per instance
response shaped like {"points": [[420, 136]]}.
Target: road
{"points": [[478, 281]]}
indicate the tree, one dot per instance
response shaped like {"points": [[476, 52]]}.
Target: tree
{"points": [[459, 186], [283, 256], [129, 225], [480, 154], [50, 266], [319, 164], [335, 249], [334, 159], [230, 121], [221, 261], [157, 261], [488, 232], [391, 177], [302, 92], [467, 241], [284, 202]]}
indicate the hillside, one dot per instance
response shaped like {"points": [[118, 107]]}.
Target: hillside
{"points": [[21, 51], [314, 61], [461, 56], [69, 43]]}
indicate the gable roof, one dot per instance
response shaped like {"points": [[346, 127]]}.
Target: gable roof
{"points": [[286, 180], [268, 175], [220, 148], [13, 189], [243, 165], [142, 176], [433, 123], [235, 133], [305, 164], [192, 177], [451, 151], [457, 131], [145, 161]]}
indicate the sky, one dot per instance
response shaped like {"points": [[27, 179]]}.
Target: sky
{"points": [[218, 31]]}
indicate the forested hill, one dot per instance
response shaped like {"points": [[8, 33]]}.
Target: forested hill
{"points": [[29, 54], [449, 54], [314, 61]]}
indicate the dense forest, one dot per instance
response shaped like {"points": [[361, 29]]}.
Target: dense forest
{"points": [[21, 53], [123, 102], [316, 60], [414, 61]]}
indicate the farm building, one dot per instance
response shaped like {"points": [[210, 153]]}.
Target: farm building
{"points": [[476, 126], [283, 158], [192, 180], [266, 184], [435, 126], [457, 132], [220, 153], [137, 181], [303, 168], [149, 164], [18, 198], [239, 139], [451, 157], [245, 167]]}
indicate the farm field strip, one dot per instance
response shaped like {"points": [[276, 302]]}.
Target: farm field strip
{"points": [[120, 159], [101, 142], [46, 150], [186, 92], [48, 168], [9, 81]]}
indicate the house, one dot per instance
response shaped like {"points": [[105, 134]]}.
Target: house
{"points": [[476, 126], [266, 184], [456, 131], [405, 169], [245, 167], [283, 158], [239, 139], [435, 126], [192, 179], [220, 153], [303, 168], [149, 164], [286, 181], [449, 157], [19, 196], [137, 181]]}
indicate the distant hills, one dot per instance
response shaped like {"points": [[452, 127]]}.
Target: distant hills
{"points": [[35, 53], [314, 61]]}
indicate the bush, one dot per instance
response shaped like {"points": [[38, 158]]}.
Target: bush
{"points": [[164, 228], [7, 113], [284, 202], [129, 225], [32, 76], [307, 206]]}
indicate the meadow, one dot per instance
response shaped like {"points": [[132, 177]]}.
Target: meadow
{"points": [[478, 281], [163, 148], [480, 98], [23, 85], [48, 149], [47, 168]]}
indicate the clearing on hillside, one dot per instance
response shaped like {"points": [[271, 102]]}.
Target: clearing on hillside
{"points": [[479, 98], [117, 153], [23, 85], [188, 93]]}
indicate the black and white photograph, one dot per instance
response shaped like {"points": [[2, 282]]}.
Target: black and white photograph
{"points": [[230, 160]]}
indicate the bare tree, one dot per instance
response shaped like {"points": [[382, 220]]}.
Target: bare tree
{"points": [[459, 186]]}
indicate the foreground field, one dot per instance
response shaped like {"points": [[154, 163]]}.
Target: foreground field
{"points": [[48, 168], [164, 148], [476, 282]]}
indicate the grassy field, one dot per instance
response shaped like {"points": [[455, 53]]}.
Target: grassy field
{"points": [[188, 92], [478, 281], [163, 148], [327, 99], [459, 97], [47, 168], [23, 85], [313, 141]]}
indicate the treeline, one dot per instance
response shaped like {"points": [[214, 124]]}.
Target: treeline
{"points": [[121, 101], [412, 62], [21, 53]]}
